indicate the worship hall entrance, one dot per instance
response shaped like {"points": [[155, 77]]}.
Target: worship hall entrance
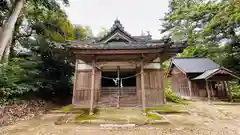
{"points": [[120, 87]]}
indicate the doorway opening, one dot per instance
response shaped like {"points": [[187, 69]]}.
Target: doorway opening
{"points": [[111, 84]]}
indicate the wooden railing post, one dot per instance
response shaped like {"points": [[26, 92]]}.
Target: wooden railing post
{"points": [[143, 89], [92, 88]]}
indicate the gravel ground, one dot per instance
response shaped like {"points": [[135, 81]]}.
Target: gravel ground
{"points": [[205, 119]]}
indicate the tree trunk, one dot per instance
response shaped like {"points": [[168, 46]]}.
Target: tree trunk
{"points": [[7, 51], [9, 26]]}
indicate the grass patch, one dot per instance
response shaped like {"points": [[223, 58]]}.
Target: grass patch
{"points": [[170, 96], [85, 117], [153, 116], [170, 109]]}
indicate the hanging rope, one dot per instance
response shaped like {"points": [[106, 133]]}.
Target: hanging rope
{"points": [[117, 80]]}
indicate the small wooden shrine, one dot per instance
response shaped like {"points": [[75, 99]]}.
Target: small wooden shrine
{"points": [[199, 77], [120, 70]]}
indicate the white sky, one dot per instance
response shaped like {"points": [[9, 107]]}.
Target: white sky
{"points": [[135, 15]]}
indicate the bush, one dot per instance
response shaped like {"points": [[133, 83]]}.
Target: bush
{"points": [[171, 97], [19, 78], [235, 89]]}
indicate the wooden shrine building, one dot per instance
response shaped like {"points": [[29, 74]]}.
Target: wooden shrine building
{"points": [[199, 77], [120, 70]]}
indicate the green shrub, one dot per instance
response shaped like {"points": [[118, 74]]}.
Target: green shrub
{"points": [[171, 97], [235, 89]]}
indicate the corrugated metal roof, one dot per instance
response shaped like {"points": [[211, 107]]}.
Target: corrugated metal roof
{"points": [[194, 64], [206, 74]]}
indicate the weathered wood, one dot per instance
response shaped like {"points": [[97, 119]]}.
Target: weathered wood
{"points": [[141, 51], [228, 91], [212, 90], [143, 88], [75, 82], [208, 91], [190, 88], [163, 91], [92, 88]]}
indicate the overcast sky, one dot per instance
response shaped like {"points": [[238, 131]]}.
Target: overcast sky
{"points": [[135, 15]]}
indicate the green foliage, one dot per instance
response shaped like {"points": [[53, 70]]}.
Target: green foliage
{"points": [[211, 29], [19, 77], [235, 88], [171, 97]]}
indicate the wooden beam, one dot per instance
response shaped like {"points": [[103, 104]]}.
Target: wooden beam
{"points": [[125, 51], [228, 91], [190, 88], [143, 89], [208, 92], [92, 88]]}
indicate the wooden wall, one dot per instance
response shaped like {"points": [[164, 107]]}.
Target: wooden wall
{"points": [[82, 90], [179, 82], [154, 87]]}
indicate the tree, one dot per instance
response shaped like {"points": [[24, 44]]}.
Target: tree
{"points": [[210, 27], [16, 8]]}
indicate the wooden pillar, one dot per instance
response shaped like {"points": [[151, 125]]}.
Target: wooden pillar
{"points": [[118, 83], [228, 91], [208, 91], [190, 88], [143, 89], [75, 82], [92, 88], [163, 88], [212, 90]]}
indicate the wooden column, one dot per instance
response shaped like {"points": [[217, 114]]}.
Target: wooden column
{"points": [[92, 88], [163, 88], [228, 91], [118, 83], [208, 91], [212, 90], [75, 82], [190, 88], [143, 89]]}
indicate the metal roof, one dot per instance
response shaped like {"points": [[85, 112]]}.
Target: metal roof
{"points": [[206, 74], [209, 73], [194, 64]]}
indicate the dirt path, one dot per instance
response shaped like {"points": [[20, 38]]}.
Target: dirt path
{"points": [[205, 119]]}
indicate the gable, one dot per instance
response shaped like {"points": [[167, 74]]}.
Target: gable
{"points": [[117, 34]]}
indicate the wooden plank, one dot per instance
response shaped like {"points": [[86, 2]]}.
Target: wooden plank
{"points": [[92, 88]]}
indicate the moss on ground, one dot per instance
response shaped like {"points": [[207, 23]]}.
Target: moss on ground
{"points": [[153, 116]]}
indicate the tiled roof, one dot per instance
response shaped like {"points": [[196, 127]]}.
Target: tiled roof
{"points": [[115, 45]]}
